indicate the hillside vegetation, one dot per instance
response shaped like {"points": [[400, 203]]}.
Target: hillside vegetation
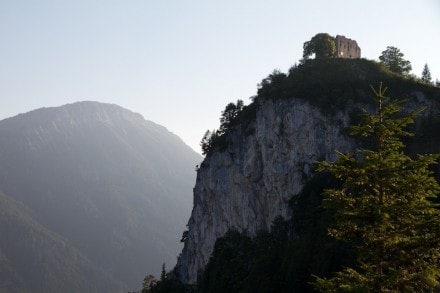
{"points": [[331, 85]]}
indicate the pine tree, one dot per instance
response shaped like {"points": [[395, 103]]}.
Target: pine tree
{"points": [[426, 74], [384, 209], [163, 273]]}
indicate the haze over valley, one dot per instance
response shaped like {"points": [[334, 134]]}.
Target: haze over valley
{"points": [[219, 146], [93, 189]]}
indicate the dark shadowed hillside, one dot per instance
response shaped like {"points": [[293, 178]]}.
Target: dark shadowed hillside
{"points": [[35, 259], [113, 187]]}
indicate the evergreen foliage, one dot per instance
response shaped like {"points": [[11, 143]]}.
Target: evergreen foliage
{"points": [[234, 115], [384, 209], [286, 258], [328, 84], [163, 273], [241, 263], [426, 74], [296, 249], [167, 283], [283, 259], [229, 115]]}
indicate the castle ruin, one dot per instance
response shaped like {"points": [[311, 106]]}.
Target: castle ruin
{"points": [[347, 48]]}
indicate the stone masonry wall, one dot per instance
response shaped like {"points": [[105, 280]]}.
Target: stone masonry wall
{"points": [[347, 48]]}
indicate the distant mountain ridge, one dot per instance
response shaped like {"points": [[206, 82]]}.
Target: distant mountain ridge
{"points": [[115, 186]]}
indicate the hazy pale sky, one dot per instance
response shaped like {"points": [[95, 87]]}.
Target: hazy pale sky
{"points": [[179, 63]]}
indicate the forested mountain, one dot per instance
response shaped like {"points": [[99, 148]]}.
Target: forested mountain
{"points": [[93, 198]]}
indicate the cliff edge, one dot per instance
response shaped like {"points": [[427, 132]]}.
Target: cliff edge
{"points": [[266, 161]]}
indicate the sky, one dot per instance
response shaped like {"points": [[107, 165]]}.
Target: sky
{"points": [[179, 63]]}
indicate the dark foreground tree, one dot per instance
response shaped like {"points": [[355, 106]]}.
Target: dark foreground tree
{"points": [[322, 45], [426, 74], [384, 209], [393, 59]]}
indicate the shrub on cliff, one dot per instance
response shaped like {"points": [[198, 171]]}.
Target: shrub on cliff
{"points": [[234, 115]]}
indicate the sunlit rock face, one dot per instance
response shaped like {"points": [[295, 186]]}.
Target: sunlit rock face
{"points": [[250, 183]]}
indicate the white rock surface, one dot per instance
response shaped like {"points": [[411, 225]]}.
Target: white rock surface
{"points": [[250, 183]]}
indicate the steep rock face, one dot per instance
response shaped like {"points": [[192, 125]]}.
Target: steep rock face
{"points": [[250, 183]]}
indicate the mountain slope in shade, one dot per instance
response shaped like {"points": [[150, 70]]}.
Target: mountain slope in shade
{"points": [[34, 259], [118, 187]]}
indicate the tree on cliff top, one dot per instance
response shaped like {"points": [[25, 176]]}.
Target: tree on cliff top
{"points": [[384, 209], [393, 59], [228, 119], [229, 115], [322, 45], [426, 74]]}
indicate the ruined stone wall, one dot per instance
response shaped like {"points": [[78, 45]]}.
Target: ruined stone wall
{"points": [[347, 48]]}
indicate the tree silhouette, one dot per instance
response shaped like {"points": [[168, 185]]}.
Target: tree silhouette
{"points": [[426, 74], [322, 45], [393, 59]]}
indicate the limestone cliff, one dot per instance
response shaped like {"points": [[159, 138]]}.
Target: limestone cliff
{"points": [[248, 181], [247, 185]]}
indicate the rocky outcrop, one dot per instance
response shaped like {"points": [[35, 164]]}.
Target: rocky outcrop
{"points": [[267, 161], [249, 183]]}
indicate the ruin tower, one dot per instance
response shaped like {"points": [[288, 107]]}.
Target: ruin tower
{"points": [[347, 48]]}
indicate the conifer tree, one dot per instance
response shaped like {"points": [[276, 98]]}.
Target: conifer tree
{"points": [[384, 209], [163, 273], [426, 74]]}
